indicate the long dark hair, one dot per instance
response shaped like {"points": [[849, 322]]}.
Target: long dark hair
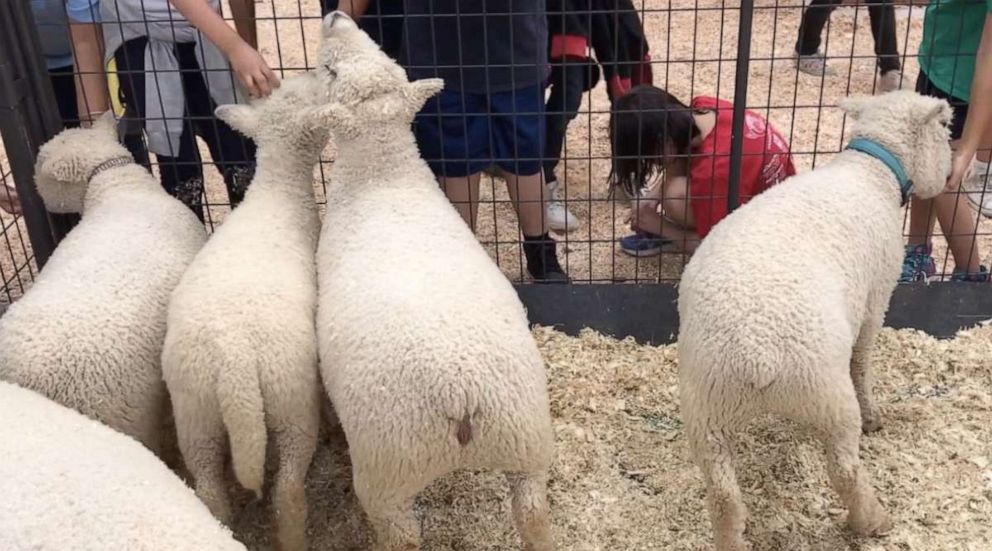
{"points": [[642, 122]]}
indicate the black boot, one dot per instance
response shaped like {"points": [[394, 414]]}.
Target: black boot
{"points": [[542, 260]]}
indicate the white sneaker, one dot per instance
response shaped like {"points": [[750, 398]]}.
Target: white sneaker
{"points": [[890, 81], [559, 217], [978, 190]]}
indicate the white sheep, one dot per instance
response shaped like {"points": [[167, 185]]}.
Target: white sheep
{"points": [[240, 355], [424, 345], [69, 482], [88, 334], [780, 305]]}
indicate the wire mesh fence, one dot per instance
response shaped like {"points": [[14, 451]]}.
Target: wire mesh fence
{"points": [[779, 83]]}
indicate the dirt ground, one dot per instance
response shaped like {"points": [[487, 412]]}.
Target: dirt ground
{"points": [[622, 479], [694, 46]]}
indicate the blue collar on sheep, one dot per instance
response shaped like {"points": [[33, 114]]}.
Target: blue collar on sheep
{"points": [[875, 149]]}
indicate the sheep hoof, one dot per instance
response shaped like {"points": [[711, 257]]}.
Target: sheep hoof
{"points": [[869, 426], [877, 524]]}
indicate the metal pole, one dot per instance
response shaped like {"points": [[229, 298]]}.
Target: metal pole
{"points": [[28, 118], [740, 102]]}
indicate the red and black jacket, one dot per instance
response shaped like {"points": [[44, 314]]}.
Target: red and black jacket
{"points": [[612, 29]]}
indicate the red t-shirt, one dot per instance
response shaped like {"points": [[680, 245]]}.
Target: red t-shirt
{"points": [[765, 162]]}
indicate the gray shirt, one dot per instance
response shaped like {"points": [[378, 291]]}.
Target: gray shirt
{"points": [[165, 101], [476, 45]]}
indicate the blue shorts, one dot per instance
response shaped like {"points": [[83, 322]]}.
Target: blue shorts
{"points": [[460, 133]]}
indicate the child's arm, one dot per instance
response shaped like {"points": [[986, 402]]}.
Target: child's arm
{"points": [[979, 121], [354, 8], [243, 12], [92, 96], [246, 62]]}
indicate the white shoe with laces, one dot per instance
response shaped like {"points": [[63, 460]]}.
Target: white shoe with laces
{"points": [[559, 217]]}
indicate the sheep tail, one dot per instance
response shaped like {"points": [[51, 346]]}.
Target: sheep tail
{"points": [[243, 412], [464, 431]]}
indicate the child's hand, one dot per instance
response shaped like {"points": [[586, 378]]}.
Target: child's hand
{"points": [[9, 201], [961, 168], [253, 72]]}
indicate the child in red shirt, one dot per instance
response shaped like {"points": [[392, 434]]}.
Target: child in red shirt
{"points": [[652, 132]]}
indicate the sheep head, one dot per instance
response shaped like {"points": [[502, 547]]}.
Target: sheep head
{"points": [[912, 127], [367, 89], [286, 119], [66, 162]]}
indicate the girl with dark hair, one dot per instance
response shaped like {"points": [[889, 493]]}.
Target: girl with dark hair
{"points": [[685, 150]]}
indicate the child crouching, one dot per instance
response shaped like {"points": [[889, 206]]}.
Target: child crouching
{"points": [[652, 134]]}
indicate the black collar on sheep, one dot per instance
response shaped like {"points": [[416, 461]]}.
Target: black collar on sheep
{"points": [[877, 150]]}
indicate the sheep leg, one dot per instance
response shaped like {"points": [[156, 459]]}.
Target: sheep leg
{"points": [[203, 442], [841, 438], [831, 407], [389, 510], [296, 445], [712, 450], [530, 510], [861, 374]]}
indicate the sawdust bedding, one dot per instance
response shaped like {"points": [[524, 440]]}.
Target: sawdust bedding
{"points": [[623, 480]]}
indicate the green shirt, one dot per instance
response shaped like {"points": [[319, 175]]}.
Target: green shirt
{"points": [[952, 30]]}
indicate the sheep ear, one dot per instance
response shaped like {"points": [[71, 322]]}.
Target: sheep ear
{"points": [[940, 110], [853, 106], [339, 118], [419, 91], [106, 123], [239, 117]]}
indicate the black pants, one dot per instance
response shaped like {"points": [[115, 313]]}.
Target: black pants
{"points": [[182, 172], [383, 22], [883, 30], [567, 89]]}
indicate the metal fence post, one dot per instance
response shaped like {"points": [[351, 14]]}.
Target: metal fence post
{"points": [[28, 118], [740, 102]]}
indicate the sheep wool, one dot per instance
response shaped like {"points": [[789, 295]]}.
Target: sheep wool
{"points": [[69, 482], [88, 334], [240, 355], [792, 333], [424, 345]]}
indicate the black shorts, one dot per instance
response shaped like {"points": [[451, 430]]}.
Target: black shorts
{"points": [[960, 107]]}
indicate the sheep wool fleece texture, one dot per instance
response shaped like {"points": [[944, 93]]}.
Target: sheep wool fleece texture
{"points": [[89, 332], [240, 355], [768, 338], [429, 364], [69, 482]]}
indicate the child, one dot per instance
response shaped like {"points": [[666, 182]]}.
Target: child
{"points": [[955, 56], [614, 32], [883, 29], [188, 75], [493, 59], [653, 132]]}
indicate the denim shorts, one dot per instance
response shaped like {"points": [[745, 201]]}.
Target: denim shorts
{"points": [[463, 133]]}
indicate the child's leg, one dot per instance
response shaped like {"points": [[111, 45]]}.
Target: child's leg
{"points": [[452, 132], [958, 222], [883, 29], [518, 135], [814, 19], [563, 105], [181, 171], [464, 196], [233, 153], [518, 138]]}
